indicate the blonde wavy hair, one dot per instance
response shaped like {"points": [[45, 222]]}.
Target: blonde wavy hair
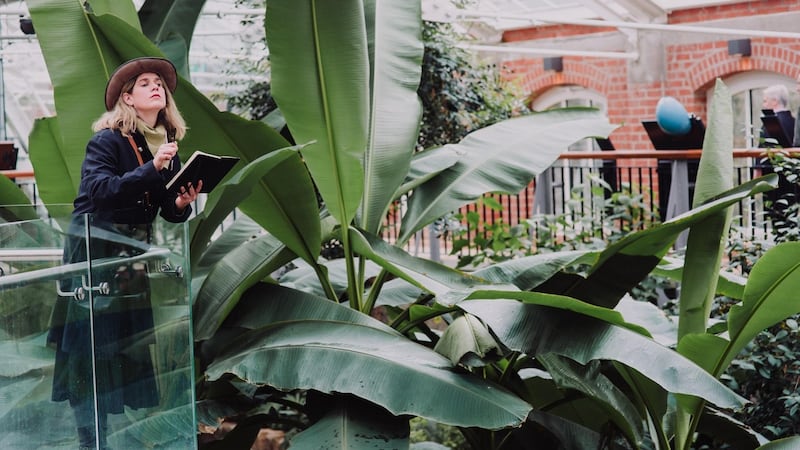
{"points": [[123, 116]]}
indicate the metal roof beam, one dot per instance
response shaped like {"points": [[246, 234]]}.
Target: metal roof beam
{"points": [[642, 11], [631, 25]]}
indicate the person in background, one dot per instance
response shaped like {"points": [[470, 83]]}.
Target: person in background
{"points": [[776, 98], [128, 161]]}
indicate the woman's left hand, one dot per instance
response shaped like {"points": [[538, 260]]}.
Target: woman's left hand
{"points": [[187, 195]]}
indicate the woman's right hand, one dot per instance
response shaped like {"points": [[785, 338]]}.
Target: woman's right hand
{"points": [[164, 155]]}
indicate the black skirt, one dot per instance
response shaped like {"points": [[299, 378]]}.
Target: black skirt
{"points": [[123, 327]]}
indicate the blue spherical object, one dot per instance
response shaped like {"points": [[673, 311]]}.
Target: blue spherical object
{"points": [[672, 117]]}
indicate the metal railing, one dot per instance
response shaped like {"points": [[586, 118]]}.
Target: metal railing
{"points": [[579, 187]]}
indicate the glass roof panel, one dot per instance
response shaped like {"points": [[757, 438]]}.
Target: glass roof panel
{"points": [[228, 43]]}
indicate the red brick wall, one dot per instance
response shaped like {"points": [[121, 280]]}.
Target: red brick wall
{"points": [[690, 68]]}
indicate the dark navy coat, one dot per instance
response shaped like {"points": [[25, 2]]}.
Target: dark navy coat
{"points": [[121, 195], [113, 185]]}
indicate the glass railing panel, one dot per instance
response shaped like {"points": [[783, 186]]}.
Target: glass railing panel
{"points": [[142, 335], [95, 339], [35, 290]]}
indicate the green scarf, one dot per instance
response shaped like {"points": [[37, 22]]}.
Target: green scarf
{"points": [[154, 136]]}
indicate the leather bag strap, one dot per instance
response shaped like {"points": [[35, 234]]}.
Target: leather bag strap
{"points": [[141, 162], [135, 149]]}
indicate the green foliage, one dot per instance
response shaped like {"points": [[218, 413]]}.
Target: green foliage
{"points": [[594, 216], [768, 373], [423, 430], [784, 209], [459, 94]]}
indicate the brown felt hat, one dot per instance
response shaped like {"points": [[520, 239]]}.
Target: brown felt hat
{"points": [[135, 67]]}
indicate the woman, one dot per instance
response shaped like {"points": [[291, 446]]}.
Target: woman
{"points": [[129, 160]]}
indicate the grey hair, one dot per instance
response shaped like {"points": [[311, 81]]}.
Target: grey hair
{"points": [[779, 92]]}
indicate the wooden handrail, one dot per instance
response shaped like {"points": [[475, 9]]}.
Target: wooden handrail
{"points": [[671, 154], [611, 154], [17, 173]]}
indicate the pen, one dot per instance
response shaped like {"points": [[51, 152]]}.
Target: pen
{"points": [[170, 138]]}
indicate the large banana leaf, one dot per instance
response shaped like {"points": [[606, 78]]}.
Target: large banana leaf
{"points": [[320, 80], [14, 204], [426, 165], [589, 380], [170, 25], [62, 29], [528, 272], [165, 429], [769, 297], [706, 241], [293, 218], [789, 443], [354, 426], [729, 284], [467, 337], [625, 263], [395, 50], [537, 329], [313, 346], [242, 229], [503, 157], [448, 284], [55, 181], [224, 284]]}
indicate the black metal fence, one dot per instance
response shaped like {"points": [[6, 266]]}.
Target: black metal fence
{"points": [[583, 192]]}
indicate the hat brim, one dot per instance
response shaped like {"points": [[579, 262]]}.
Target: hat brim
{"points": [[133, 68]]}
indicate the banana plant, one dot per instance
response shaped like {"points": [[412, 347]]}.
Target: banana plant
{"points": [[529, 349]]}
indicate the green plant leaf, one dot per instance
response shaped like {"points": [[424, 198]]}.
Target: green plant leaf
{"points": [[466, 337], [426, 165], [294, 216], [535, 329], [729, 284], [521, 148], [225, 283], [528, 272], [735, 434], [590, 381], [623, 264], [570, 434], [366, 359], [769, 297], [170, 25], [650, 317], [62, 29], [320, 80], [16, 205], [243, 229], [305, 278], [706, 241], [395, 50], [789, 443], [354, 426], [448, 284]]}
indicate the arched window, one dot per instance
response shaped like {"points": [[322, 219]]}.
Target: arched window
{"points": [[556, 186], [571, 95]]}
